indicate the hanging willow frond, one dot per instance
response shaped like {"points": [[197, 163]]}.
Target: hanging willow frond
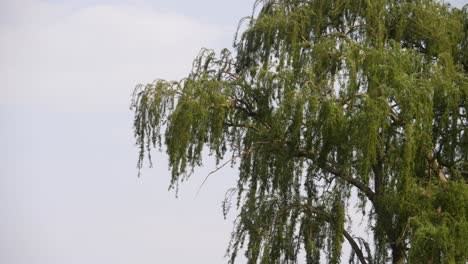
{"points": [[323, 99]]}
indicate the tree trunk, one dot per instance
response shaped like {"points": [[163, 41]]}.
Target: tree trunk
{"points": [[397, 255]]}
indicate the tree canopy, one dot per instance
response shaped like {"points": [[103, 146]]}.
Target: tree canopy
{"points": [[321, 101]]}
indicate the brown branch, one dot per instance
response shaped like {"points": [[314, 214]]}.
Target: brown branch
{"points": [[214, 171], [378, 171], [247, 105], [232, 75], [351, 180], [243, 106], [437, 168], [342, 175], [355, 247], [246, 152], [348, 237], [230, 124]]}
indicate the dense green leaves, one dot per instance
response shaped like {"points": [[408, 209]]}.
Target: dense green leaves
{"points": [[325, 99]]}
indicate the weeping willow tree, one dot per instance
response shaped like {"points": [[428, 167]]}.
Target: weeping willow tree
{"points": [[327, 104]]}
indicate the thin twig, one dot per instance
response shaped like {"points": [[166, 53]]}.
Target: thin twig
{"points": [[214, 171]]}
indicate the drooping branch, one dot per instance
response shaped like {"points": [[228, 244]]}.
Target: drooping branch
{"points": [[355, 247], [348, 237], [329, 168], [351, 180]]}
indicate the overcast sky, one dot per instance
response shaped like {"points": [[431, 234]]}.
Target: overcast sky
{"points": [[69, 191]]}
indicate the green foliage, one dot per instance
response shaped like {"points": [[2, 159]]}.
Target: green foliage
{"points": [[323, 99]]}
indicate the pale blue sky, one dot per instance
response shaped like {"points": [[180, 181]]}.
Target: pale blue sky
{"points": [[69, 191], [68, 186]]}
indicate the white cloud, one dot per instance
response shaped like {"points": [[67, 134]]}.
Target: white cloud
{"points": [[90, 58]]}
